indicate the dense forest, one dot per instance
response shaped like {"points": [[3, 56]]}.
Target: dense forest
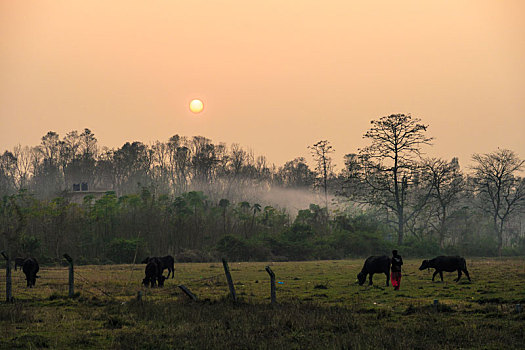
{"points": [[198, 200]]}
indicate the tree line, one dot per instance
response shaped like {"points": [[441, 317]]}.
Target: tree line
{"points": [[197, 199]]}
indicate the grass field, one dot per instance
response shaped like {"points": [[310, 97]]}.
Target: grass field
{"points": [[319, 306]]}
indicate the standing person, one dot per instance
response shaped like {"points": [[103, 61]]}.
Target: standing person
{"points": [[395, 276]]}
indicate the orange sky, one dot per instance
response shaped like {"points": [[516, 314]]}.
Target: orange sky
{"points": [[275, 76]]}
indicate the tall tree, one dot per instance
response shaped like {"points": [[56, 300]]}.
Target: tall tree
{"points": [[296, 173], [50, 147], [179, 163], [448, 184], [48, 174], [390, 163], [88, 143], [350, 176], [256, 208], [205, 157], [7, 173], [501, 192], [321, 152], [23, 166], [12, 219], [224, 204], [131, 166], [78, 157]]}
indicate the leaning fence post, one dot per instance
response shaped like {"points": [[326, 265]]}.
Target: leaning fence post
{"points": [[71, 276], [8, 284], [188, 292], [229, 278], [272, 283]]}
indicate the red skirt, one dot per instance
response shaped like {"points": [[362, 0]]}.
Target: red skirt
{"points": [[395, 277]]}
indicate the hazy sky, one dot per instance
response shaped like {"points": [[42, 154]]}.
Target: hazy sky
{"points": [[275, 76]]}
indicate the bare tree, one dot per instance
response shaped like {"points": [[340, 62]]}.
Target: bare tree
{"points": [[500, 191], [24, 167], [321, 152], [179, 163], [389, 164], [448, 183]]}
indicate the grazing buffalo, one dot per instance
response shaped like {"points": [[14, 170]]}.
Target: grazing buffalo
{"points": [[153, 274], [161, 280], [446, 263], [375, 264], [165, 262], [19, 262], [30, 268]]}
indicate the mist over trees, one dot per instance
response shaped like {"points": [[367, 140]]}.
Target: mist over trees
{"points": [[200, 200]]}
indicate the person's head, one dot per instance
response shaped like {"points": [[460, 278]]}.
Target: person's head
{"points": [[394, 252]]}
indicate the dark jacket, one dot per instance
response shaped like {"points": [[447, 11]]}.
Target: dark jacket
{"points": [[397, 261]]}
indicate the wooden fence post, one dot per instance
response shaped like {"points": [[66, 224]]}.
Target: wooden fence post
{"points": [[188, 292], [229, 278], [272, 284], [8, 282], [71, 276]]}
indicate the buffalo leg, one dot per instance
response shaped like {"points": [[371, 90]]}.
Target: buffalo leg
{"points": [[466, 273], [459, 275], [441, 275], [370, 278], [434, 275], [387, 278]]}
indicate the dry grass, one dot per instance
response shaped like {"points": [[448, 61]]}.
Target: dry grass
{"points": [[321, 306]]}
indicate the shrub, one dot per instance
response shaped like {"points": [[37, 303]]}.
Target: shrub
{"points": [[293, 250], [420, 247], [193, 255], [483, 246], [122, 251], [360, 243], [238, 249]]}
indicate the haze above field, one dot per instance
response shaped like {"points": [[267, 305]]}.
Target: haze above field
{"points": [[274, 76]]}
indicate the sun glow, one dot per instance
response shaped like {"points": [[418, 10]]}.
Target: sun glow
{"points": [[196, 106]]}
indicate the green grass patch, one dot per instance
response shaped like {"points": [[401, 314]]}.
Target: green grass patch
{"points": [[319, 306]]}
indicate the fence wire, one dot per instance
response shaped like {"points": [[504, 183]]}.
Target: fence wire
{"points": [[55, 280], [50, 279]]}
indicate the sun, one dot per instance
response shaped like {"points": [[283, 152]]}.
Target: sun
{"points": [[196, 106]]}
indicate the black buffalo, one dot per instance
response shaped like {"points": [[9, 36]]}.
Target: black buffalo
{"points": [[375, 264], [153, 274], [161, 280], [19, 262], [165, 262], [30, 268], [446, 263]]}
